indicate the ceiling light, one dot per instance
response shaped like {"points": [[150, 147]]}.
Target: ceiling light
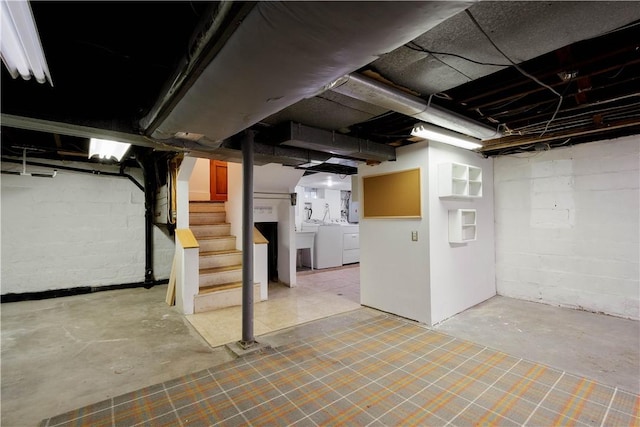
{"points": [[105, 149], [343, 162], [374, 92], [20, 46], [310, 164], [427, 131]]}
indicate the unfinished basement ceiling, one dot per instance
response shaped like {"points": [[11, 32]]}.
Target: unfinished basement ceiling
{"points": [[192, 76]]}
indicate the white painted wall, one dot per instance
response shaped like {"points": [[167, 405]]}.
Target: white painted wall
{"points": [[431, 279], [75, 230], [276, 178], [462, 275], [200, 181], [394, 270], [182, 194], [330, 197], [272, 178], [280, 211], [233, 206], [286, 244], [567, 226], [187, 277]]}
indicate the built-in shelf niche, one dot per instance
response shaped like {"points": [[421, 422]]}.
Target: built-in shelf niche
{"points": [[459, 181], [462, 225]]}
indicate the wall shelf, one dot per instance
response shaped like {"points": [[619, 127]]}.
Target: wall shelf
{"points": [[459, 181], [462, 225]]}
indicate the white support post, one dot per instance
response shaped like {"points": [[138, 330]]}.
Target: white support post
{"points": [[182, 193], [187, 270], [261, 268]]}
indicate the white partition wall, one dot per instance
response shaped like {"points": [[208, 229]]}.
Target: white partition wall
{"points": [[461, 274], [429, 279], [394, 269]]}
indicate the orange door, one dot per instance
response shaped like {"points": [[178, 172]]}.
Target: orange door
{"points": [[218, 180]]}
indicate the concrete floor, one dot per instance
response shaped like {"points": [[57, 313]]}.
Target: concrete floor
{"points": [[61, 354], [600, 347]]}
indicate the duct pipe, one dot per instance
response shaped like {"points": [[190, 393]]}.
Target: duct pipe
{"points": [[80, 170], [374, 92], [283, 52], [146, 164]]}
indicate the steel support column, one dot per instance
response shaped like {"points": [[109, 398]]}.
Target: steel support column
{"points": [[247, 240]]}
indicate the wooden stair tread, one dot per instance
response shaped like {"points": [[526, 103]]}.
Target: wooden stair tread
{"points": [[205, 215], [216, 237], [213, 202], [222, 287], [206, 207], [223, 252], [221, 269], [209, 224]]}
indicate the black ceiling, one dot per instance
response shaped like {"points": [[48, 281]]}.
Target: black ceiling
{"points": [[598, 80], [108, 60], [111, 61]]}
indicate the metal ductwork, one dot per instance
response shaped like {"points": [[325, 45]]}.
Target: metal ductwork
{"points": [[285, 51], [230, 151], [374, 92], [299, 135], [287, 156]]}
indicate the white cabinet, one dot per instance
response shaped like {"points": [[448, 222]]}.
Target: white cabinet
{"points": [[336, 245], [459, 181], [351, 248], [306, 240], [462, 225], [328, 251]]}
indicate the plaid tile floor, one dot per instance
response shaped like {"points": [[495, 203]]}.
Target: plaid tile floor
{"points": [[384, 371]]}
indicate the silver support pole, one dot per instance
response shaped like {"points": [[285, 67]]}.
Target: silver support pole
{"points": [[247, 241]]}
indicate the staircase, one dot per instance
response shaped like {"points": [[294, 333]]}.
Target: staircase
{"points": [[220, 262]]}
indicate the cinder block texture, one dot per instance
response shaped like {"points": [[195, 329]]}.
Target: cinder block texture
{"points": [[75, 230], [567, 226]]}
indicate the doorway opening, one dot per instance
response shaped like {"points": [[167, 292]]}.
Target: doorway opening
{"points": [[270, 231]]}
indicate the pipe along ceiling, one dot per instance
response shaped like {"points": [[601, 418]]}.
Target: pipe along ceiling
{"points": [[283, 52]]}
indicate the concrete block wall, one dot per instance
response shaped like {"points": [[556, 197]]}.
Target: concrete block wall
{"points": [[567, 226], [75, 230]]}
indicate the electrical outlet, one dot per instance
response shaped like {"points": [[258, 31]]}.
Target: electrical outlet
{"points": [[414, 236]]}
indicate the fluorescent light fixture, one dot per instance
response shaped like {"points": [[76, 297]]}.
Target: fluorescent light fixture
{"points": [[343, 162], [435, 133], [20, 46], [105, 149], [310, 164], [374, 92]]}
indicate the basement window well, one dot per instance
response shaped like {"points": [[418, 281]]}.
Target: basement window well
{"points": [[313, 193]]}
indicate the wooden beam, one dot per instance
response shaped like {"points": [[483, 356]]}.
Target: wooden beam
{"points": [[512, 142], [170, 299]]}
